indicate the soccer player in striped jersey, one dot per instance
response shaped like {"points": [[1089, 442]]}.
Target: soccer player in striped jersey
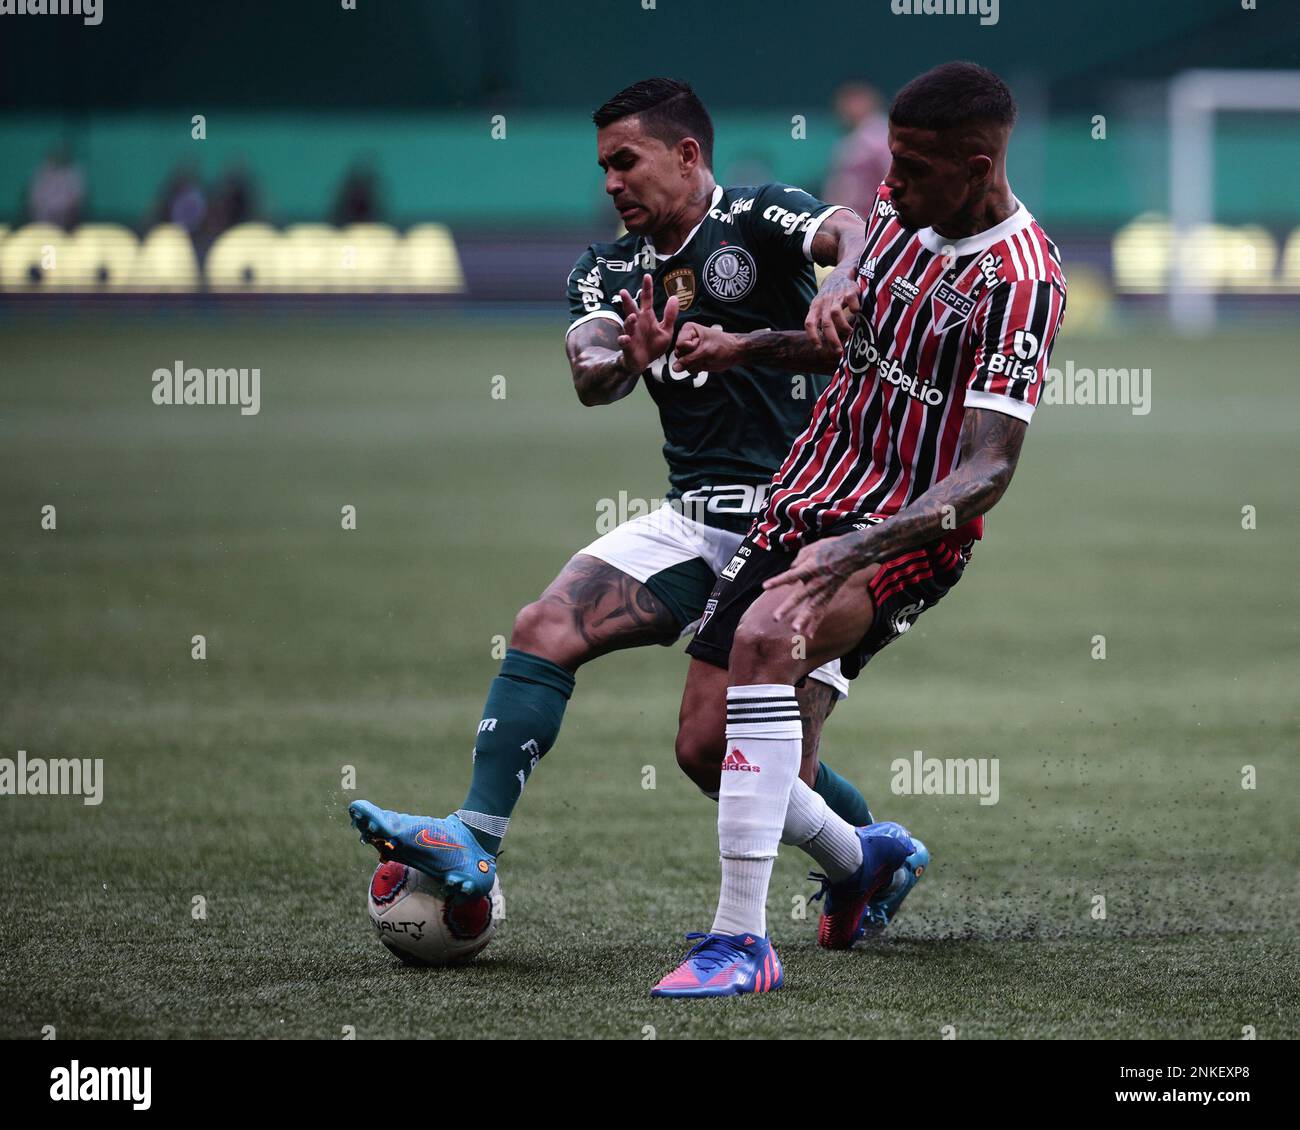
{"points": [[704, 301], [873, 516]]}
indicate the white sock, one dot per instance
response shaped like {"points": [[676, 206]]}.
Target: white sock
{"points": [[812, 826], [742, 901], [764, 746], [831, 840]]}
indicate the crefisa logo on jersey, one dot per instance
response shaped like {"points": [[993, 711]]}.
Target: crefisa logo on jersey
{"points": [[590, 291], [729, 273]]}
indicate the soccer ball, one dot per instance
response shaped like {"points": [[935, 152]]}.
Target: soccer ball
{"points": [[413, 920]]}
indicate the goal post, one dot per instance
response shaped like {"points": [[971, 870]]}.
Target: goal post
{"points": [[1195, 97]]}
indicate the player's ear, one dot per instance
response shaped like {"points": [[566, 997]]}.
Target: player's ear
{"points": [[979, 168], [688, 153]]}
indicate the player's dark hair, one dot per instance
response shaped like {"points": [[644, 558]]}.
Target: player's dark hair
{"points": [[952, 95], [669, 110]]}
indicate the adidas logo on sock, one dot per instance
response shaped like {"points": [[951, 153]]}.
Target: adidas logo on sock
{"points": [[736, 760]]}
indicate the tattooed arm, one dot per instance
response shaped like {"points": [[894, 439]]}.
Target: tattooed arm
{"points": [[596, 362], [702, 349], [841, 239], [990, 449], [607, 360]]}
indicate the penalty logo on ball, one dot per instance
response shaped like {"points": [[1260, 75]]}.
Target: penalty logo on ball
{"points": [[421, 927]]}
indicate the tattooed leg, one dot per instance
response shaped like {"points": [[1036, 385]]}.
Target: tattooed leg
{"points": [[589, 610], [816, 701]]}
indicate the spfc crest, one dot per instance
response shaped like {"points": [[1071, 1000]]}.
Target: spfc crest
{"points": [[950, 307], [729, 273], [679, 283]]}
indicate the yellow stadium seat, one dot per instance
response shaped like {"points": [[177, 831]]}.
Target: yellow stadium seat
{"points": [[427, 261], [165, 261]]}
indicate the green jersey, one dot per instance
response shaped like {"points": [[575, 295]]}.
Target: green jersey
{"points": [[747, 266]]}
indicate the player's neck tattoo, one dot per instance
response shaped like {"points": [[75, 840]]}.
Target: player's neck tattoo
{"points": [[986, 211]]}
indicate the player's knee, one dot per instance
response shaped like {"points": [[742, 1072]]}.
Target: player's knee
{"points": [[544, 628], [700, 757], [763, 651]]}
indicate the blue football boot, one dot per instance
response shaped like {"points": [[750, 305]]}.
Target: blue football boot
{"points": [[724, 965], [881, 909], [445, 850], [884, 848]]}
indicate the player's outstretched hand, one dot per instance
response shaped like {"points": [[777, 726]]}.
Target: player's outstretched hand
{"points": [[645, 337], [705, 349], [815, 577], [830, 317]]}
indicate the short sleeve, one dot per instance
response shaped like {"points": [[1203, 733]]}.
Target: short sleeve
{"points": [[587, 293], [1016, 326], [784, 220]]}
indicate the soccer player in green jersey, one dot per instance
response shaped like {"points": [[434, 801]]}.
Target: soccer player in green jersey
{"points": [[710, 300]]}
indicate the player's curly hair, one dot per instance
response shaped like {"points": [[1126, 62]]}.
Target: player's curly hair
{"points": [[952, 95], [669, 110]]}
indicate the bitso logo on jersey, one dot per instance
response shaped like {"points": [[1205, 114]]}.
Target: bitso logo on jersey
{"points": [[729, 273], [1025, 345]]}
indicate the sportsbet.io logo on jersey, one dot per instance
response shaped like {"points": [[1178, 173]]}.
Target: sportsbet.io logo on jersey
{"points": [[729, 273], [863, 353]]}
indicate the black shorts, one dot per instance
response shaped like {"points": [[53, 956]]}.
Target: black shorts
{"points": [[903, 588]]}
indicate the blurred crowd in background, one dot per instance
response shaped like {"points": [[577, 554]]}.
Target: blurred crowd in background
{"points": [[58, 192]]}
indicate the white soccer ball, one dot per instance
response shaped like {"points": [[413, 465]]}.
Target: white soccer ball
{"points": [[412, 919]]}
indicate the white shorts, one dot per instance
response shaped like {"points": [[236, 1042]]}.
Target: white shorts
{"points": [[678, 559]]}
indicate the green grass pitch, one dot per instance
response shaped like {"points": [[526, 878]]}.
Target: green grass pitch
{"points": [[1120, 777]]}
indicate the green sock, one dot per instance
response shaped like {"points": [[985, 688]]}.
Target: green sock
{"points": [[841, 797], [525, 706]]}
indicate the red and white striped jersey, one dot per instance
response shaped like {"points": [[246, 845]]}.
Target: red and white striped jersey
{"points": [[945, 325]]}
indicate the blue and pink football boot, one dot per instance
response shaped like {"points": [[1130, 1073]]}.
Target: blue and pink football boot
{"points": [[862, 905], [724, 965]]}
